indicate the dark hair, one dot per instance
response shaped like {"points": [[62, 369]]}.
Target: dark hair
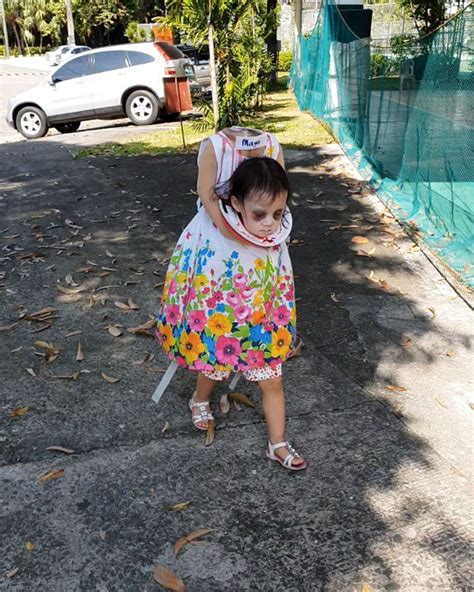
{"points": [[260, 176]]}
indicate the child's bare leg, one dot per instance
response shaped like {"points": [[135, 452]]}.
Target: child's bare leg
{"points": [[273, 404], [204, 388]]}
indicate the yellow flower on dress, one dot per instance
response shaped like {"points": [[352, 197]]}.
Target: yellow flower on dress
{"points": [[190, 346], [281, 341], [259, 264], [219, 324], [293, 315], [257, 316], [200, 281], [180, 277], [258, 298], [167, 339]]}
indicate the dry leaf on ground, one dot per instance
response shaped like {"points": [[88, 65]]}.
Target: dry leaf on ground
{"points": [[11, 573], [19, 411], [73, 376], [359, 240], [80, 353], [210, 432], [179, 507], [142, 328], [114, 331], [432, 311], [396, 388], [168, 579], [110, 379], [8, 327], [51, 475], [122, 306], [71, 291], [31, 372], [29, 546], [334, 298], [241, 398], [73, 333], [60, 449], [166, 427], [196, 534], [132, 305]]}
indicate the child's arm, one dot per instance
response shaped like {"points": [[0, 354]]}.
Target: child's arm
{"points": [[207, 174]]}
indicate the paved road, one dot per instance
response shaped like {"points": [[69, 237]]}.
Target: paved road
{"points": [[378, 402]]}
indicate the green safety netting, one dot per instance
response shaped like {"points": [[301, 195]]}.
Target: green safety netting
{"points": [[404, 114]]}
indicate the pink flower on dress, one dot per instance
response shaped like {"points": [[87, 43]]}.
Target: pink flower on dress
{"points": [[281, 316], [289, 296], [255, 358], [200, 365], [180, 361], [197, 320], [228, 350], [211, 302], [189, 296], [242, 312], [172, 287], [274, 363], [171, 314], [218, 296], [240, 280], [233, 298], [246, 292]]}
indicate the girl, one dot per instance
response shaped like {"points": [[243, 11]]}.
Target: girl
{"points": [[228, 300]]}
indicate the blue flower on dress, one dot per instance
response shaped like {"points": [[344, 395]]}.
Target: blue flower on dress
{"points": [[258, 334], [234, 255], [220, 307], [209, 343]]}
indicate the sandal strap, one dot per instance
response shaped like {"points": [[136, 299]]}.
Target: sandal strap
{"points": [[292, 454], [273, 447]]}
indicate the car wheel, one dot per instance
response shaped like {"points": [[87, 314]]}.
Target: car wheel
{"points": [[31, 122], [142, 107], [69, 127]]}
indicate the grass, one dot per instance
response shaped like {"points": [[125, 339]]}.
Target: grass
{"points": [[279, 115]]}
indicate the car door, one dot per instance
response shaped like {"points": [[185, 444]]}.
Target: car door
{"points": [[108, 80], [70, 95]]}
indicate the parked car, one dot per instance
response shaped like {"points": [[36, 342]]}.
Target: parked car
{"points": [[200, 60], [106, 83], [63, 53]]}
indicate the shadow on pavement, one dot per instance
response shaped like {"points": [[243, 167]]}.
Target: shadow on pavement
{"points": [[376, 507]]}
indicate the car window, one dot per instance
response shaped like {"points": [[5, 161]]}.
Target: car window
{"points": [[110, 60], [64, 49], [137, 58], [75, 68]]}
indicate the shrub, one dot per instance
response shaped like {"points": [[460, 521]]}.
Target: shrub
{"points": [[284, 61]]}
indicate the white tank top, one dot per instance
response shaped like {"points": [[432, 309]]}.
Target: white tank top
{"points": [[228, 158]]}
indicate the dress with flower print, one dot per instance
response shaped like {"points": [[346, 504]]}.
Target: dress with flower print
{"points": [[226, 306]]}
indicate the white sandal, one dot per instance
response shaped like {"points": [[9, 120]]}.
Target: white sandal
{"points": [[287, 462], [204, 414]]}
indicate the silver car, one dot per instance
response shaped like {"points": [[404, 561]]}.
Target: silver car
{"points": [[106, 83], [63, 53]]}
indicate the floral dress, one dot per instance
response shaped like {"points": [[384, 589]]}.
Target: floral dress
{"points": [[225, 306]]}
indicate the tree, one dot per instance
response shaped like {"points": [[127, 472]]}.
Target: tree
{"points": [[427, 14]]}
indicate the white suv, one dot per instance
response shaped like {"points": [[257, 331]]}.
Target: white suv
{"points": [[103, 83]]}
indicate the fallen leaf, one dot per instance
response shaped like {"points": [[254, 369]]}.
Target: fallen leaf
{"points": [[75, 290], [360, 240], [210, 433], [179, 507], [43, 344], [79, 354], [367, 588], [241, 398], [29, 546], [51, 475], [440, 403], [11, 573], [432, 311], [8, 327], [31, 372], [115, 331], [168, 579], [196, 534], [471, 405], [450, 353], [407, 342], [148, 357], [297, 242], [333, 297], [224, 404], [110, 379], [141, 328], [19, 411], [102, 535], [70, 281], [122, 306], [73, 376], [60, 449], [132, 305], [362, 253], [17, 349], [109, 254], [396, 388], [166, 427]]}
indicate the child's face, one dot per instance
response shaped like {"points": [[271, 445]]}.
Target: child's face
{"points": [[260, 215]]}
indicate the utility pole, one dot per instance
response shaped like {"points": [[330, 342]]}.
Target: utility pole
{"points": [[5, 30], [212, 64], [71, 39]]}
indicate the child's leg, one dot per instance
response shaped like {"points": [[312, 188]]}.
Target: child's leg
{"points": [[273, 404], [204, 388]]}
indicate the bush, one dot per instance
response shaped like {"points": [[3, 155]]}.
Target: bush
{"points": [[34, 51], [134, 34], [284, 61]]}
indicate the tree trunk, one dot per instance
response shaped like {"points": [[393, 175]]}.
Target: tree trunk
{"points": [[212, 64], [272, 43], [17, 38]]}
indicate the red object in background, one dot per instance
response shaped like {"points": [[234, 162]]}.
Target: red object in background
{"points": [[177, 95]]}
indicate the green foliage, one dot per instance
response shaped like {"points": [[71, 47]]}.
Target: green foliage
{"points": [[241, 28], [383, 65], [285, 59], [427, 14], [134, 34]]}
